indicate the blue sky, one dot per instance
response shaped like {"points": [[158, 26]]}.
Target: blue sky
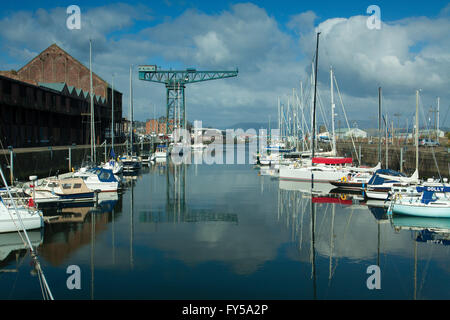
{"points": [[271, 42]]}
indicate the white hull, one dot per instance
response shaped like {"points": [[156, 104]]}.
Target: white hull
{"points": [[103, 186], [319, 174], [30, 219], [377, 195]]}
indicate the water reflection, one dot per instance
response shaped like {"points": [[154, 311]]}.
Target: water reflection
{"points": [[13, 249], [223, 231], [356, 230]]}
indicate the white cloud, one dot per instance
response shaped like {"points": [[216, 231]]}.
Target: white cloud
{"points": [[401, 57]]}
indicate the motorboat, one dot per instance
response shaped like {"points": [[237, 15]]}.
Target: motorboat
{"points": [[353, 181], [100, 179], [53, 190], [131, 163]]}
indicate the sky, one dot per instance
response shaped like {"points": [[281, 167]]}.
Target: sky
{"points": [[272, 43]]}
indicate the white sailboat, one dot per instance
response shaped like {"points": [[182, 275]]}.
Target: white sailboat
{"points": [[326, 168], [131, 163], [113, 164], [380, 185], [15, 215]]}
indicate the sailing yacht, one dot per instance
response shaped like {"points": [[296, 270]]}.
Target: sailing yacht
{"points": [[131, 163], [16, 216], [324, 168], [426, 205]]}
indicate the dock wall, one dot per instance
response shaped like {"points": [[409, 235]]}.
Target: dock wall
{"points": [[44, 162]]}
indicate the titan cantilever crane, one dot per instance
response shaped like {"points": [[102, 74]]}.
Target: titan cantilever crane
{"points": [[175, 82]]}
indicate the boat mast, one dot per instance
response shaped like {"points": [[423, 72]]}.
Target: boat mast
{"points": [[437, 123], [379, 124], [92, 105], [112, 115], [332, 111], [312, 104], [417, 130], [315, 96], [131, 110]]}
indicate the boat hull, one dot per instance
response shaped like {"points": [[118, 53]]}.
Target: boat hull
{"points": [[30, 222], [304, 174], [421, 210]]}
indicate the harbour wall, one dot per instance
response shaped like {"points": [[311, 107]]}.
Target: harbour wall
{"points": [[49, 161], [430, 159]]}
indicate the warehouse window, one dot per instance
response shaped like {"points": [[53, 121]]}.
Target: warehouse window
{"points": [[6, 87], [22, 91]]}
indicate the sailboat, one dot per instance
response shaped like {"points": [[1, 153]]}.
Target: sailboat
{"points": [[131, 163], [324, 168], [113, 164], [15, 215], [381, 184], [429, 199]]}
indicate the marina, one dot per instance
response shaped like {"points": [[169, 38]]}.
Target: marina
{"points": [[123, 177], [228, 234]]}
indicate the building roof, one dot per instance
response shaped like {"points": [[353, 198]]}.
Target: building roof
{"points": [[59, 86]]}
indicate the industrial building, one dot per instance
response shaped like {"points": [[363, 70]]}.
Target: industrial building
{"points": [[47, 103]]}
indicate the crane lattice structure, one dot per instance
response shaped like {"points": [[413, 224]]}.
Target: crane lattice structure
{"points": [[175, 82]]}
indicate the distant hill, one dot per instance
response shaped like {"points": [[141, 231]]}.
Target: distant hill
{"points": [[368, 125], [250, 125]]}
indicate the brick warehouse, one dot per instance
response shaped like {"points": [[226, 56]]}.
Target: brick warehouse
{"points": [[47, 102]]}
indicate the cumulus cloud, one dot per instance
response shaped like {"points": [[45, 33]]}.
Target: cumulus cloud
{"points": [[401, 57]]}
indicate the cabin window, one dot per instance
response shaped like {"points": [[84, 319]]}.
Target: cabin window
{"points": [[105, 176], [52, 185], [77, 186], [67, 186]]}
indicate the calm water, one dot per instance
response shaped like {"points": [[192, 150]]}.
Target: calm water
{"points": [[228, 232]]}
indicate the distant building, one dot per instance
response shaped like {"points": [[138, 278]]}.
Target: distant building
{"points": [[152, 126], [349, 133], [47, 102]]}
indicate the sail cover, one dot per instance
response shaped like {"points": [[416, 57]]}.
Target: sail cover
{"points": [[332, 160]]}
